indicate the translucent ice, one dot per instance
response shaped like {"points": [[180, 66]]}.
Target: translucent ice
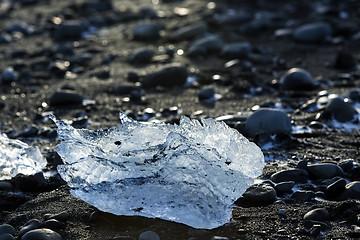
{"points": [[18, 157], [189, 173]]}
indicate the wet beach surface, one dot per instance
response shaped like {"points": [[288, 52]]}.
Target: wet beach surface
{"points": [[85, 61]]}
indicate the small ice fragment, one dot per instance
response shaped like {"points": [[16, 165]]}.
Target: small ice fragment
{"points": [[18, 157], [189, 173]]}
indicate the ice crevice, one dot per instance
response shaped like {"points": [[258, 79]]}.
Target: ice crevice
{"points": [[189, 173]]}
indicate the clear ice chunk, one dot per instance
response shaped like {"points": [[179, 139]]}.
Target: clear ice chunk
{"points": [[189, 173], [18, 157]]}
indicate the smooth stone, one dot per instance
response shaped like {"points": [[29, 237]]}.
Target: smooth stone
{"points": [[188, 32], [346, 165], [284, 187], [262, 194], [41, 234], [336, 188], [21, 27], [313, 32], [6, 228], [205, 45], [324, 170], [52, 224], [352, 191], [303, 196], [342, 111], [166, 77], [218, 238], [62, 216], [354, 95], [295, 175], [28, 226], [5, 38], [318, 214], [296, 79], [5, 186], [29, 183], [345, 61], [8, 75], [149, 235], [282, 211], [236, 50], [269, 121], [126, 89], [146, 31], [30, 131], [141, 56], [6, 236], [236, 18], [70, 30], [206, 93], [65, 98]]}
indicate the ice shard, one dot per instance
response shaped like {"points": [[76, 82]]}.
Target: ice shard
{"points": [[18, 157], [189, 173]]}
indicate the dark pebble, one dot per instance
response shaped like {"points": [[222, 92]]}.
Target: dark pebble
{"points": [[52, 224], [354, 95], [324, 170], [206, 93], [303, 196], [313, 32], [149, 235], [342, 111], [204, 46], [345, 61], [346, 165], [29, 183], [126, 89], [295, 175], [297, 79], [318, 214], [236, 50], [284, 187], [352, 191], [5, 186], [6, 228], [269, 121], [133, 77], [66, 98], [6, 236], [28, 226], [188, 32], [30, 131], [70, 30], [63, 216], [41, 234], [166, 77], [146, 31], [8, 75], [336, 188], [259, 195], [141, 56]]}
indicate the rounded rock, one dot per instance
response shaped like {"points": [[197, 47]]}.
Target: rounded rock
{"points": [[236, 50], [313, 32], [295, 175], [318, 214], [204, 46], [52, 224], [345, 61], [6, 236], [62, 216], [324, 170], [8, 75], [30, 225], [284, 187], [206, 93], [41, 234], [260, 194], [296, 79], [141, 56], [6, 228], [65, 98], [69, 30], [342, 111], [149, 235], [269, 121], [189, 32], [146, 31], [352, 191], [166, 77], [336, 188]]}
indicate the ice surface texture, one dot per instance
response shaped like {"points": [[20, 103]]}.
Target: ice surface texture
{"points": [[189, 173], [18, 157]]}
